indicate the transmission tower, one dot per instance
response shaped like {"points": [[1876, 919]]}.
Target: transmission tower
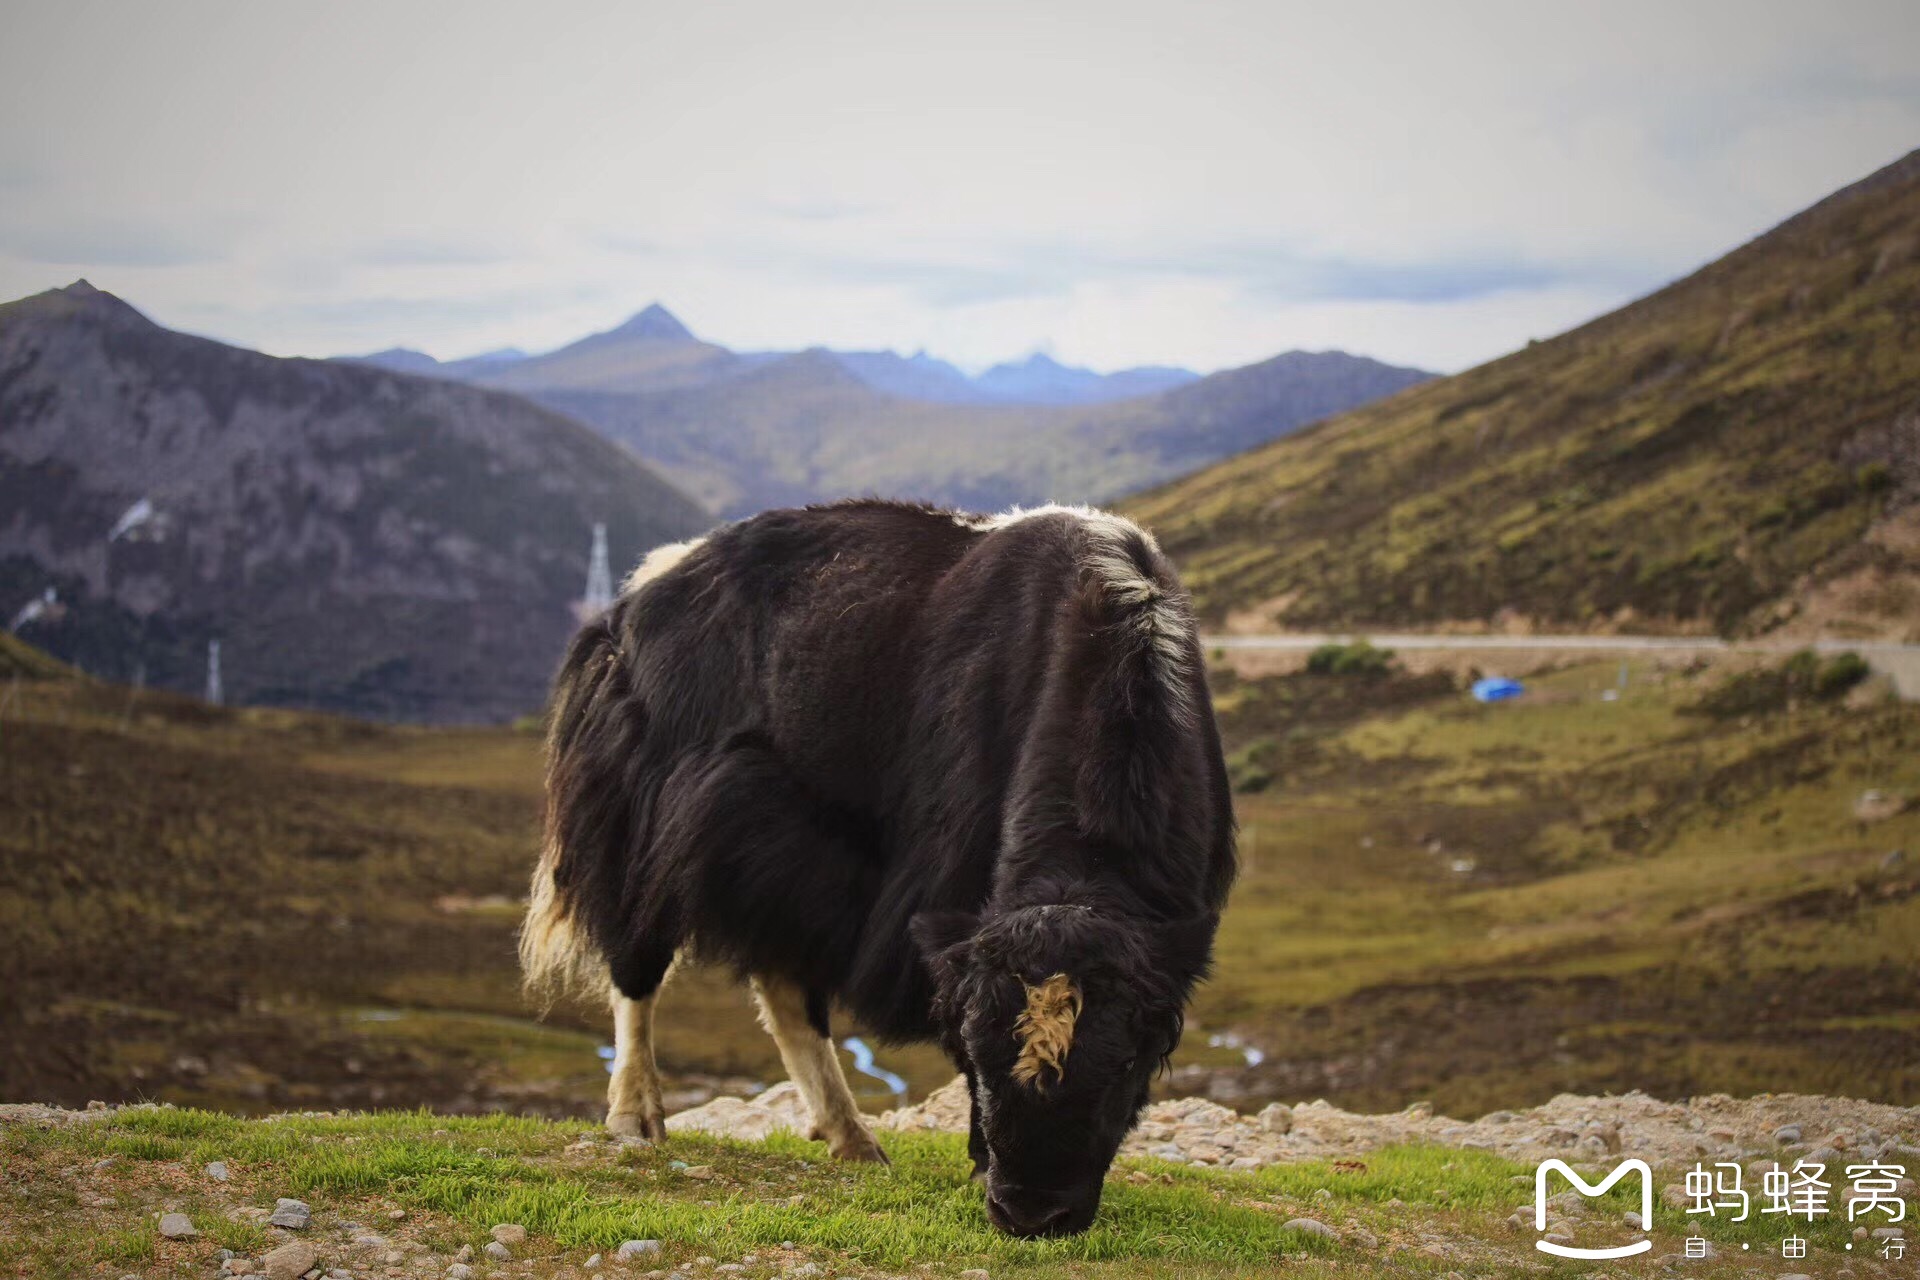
{"points": [[215, 694], [599, 577]]}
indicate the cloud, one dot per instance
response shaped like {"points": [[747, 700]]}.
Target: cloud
{"points": [[1123, 180], [90, 241]]}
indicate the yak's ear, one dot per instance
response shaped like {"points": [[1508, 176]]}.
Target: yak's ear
{"points": [[937, 933]]}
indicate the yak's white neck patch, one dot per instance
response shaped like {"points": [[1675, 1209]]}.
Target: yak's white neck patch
{"points": [[1162, 619], [658, 561], [1118, 525]]}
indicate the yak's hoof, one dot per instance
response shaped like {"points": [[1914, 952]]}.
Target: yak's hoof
{"points": [[861, 1148], [632, 1124]]}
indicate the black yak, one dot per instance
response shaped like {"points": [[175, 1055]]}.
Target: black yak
{"points": [[958, 773]]}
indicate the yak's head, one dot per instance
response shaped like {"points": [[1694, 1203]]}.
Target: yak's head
{"points": [[1063, 1016]]}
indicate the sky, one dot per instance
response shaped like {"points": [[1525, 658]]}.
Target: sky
{"points": [[1114, 183]]}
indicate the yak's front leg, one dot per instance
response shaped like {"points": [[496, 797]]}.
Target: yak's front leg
{"points": [[634, 1107], [811, 1063]]}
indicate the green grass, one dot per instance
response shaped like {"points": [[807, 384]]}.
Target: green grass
{"points": [[454, 1178], [1570, 894]]}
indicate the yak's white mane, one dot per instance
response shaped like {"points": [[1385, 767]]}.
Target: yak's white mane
{"points": [[1162, 618]]}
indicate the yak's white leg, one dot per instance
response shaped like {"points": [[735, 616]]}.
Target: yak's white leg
{"points": [[634, 1109], [812, 1064]]}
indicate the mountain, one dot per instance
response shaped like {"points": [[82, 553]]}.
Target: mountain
{"points": [[1739, 451], [398, 360], [742, 431], [357, 539], [805, 428], [915, 377], [1040, 379], [650, 351], [407, 360]]}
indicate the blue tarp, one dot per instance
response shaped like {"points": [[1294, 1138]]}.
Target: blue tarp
{"points": [[1497, 689]]}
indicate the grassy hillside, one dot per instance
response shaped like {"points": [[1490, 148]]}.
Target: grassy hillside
{"points": [[1737, 447], [1682, 887], [257, 910], [78, 1198]]}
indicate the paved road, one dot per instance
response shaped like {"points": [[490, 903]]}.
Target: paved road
{"points": [[1901, 662]]}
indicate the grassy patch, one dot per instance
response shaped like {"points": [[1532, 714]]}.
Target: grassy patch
{"points": [[1415, 1210]]}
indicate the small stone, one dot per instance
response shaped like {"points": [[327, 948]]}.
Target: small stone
{"points": [[397, 1215], [637, 1249], [217, 1171], [974, 1273], [1788, 1133], [1634, 1220], [1889, 1233], [700, 1171], [497, 1251], [459, 1271], [1323, 1194], [465, 1254], [592, 1262], [290, 1260], [508, 1233], [1276, 1118], [177, 1226], [291, 1214], [1312, 1227]]}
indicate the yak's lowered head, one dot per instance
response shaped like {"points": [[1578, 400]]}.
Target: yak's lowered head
{"points": [[1061, 1015]]}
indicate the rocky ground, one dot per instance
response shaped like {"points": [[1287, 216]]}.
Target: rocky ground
{"points": [[241, 1223], [1194, 1130]]}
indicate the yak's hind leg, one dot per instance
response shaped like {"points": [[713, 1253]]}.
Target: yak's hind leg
{"points": [[807, 1051], [634, 1106]]}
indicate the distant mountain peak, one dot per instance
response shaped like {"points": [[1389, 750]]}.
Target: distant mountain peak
{"points": [[655, 323], [82, 293]]}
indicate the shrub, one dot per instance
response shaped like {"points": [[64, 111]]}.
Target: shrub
{"points": [[1768, 689], [1874, 477], [1841, 673], [1357, 659]]}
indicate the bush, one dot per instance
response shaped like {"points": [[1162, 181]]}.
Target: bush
{"points": [[1769, 689], [1874, 477], [1357, 659], [1841, 673]]}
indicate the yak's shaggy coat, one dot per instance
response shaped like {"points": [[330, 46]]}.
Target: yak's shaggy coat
{"points": [[789, 740]]}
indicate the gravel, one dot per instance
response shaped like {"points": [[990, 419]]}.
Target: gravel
{"points": [[294, 1215]]}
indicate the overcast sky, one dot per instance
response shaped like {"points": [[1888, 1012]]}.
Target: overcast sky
{"points": [[1204, 184]]}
